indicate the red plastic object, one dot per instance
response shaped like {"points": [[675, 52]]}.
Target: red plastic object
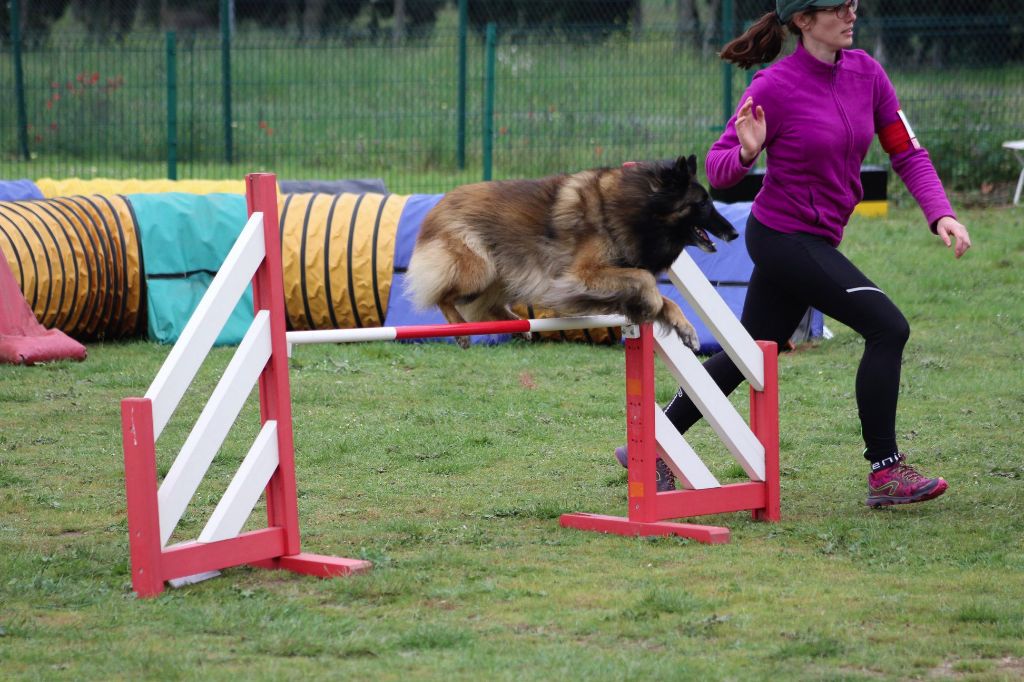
{"points": [[277, 545], [648, 509], [23, 340]]}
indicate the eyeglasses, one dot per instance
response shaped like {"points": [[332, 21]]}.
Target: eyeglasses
{"points": [[842, 11]]}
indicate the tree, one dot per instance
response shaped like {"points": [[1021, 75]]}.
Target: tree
{"points": [[37, 17], [105, 19]]}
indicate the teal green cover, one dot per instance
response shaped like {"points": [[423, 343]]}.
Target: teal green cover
{"points": [[185, 239]]}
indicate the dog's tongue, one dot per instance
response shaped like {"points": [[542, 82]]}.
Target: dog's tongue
{"points": [[705, 242]]}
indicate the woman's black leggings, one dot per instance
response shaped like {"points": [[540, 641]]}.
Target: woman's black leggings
{"points": [[791, 273]]}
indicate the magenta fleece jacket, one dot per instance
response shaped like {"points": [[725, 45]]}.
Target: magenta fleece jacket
{"points": [[820, 121]]}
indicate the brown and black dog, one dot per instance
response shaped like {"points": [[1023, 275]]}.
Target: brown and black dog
{"points": [[586, 243]]}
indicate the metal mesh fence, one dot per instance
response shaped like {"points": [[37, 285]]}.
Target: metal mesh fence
{"points": [[415, 93]]}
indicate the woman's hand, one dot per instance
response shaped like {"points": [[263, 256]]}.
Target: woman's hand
{"points": [[949, 228], [750, 129]]}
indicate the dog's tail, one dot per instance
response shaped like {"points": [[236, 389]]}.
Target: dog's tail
{"points": [[430, 274]]}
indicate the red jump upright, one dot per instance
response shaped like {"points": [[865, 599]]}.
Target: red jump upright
{"points": [[154, 511], [648, 509]]}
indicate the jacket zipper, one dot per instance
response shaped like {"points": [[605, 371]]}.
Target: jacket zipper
{"points": [[846, 120]]}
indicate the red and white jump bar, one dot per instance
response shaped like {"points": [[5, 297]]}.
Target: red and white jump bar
{"points": [[425, 331]]}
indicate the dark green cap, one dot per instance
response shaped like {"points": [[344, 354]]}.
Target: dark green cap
{"points": [[787, 8]]}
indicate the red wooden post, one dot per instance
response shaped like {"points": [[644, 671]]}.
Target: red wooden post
{"points": [[275, 393], [764, 422], [141, 493], [640, 440]]}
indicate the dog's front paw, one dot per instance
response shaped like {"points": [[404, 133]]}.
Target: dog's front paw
{"points": [[689, 336], [673, 316]]}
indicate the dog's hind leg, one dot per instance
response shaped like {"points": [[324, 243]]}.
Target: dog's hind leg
{"points": [[482, 307], [502, 311], [490, 305], [453, 316]]}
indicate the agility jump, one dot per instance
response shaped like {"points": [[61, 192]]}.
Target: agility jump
{"points": [[155, 508]]}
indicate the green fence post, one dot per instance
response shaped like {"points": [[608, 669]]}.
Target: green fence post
{"points": [[172, 107], [460, 142], [489, 100], [727, 31], [225, 67], [19, 79]]}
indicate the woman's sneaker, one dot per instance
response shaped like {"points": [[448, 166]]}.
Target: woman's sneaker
{"points": [[902, 484], [663, 474]]}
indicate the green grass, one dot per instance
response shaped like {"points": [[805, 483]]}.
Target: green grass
{"points": [[448, 469]]}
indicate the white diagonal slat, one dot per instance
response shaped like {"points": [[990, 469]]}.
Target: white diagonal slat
{"points": [[712, 403], [245, 488], [210, 316], [680, 457], [213, 424], [719, 318]]}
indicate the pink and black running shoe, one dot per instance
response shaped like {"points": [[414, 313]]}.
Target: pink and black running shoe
{"points": [[666, 480], [902, 484]]}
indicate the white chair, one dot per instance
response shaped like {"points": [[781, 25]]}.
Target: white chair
{"points": [[1017, 146]]}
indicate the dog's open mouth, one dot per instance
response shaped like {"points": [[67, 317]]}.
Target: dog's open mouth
{"points": [[704, 242]]}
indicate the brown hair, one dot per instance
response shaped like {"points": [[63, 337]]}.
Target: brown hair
{"points": [[760, 44]]}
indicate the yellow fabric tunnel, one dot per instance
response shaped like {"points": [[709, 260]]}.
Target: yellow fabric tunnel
{"points": [[72, 186], [78, 263], [337, 253]]}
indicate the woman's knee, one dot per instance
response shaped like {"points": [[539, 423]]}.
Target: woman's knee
{"points": [[894, 331]]}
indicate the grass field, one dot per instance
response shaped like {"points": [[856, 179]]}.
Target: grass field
{"points": [[448, 469]]}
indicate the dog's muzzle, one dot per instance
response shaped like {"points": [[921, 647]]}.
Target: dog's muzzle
{"points": [[714, 223]]}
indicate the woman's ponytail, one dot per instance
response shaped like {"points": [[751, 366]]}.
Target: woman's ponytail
{"points": [[760, 44]]}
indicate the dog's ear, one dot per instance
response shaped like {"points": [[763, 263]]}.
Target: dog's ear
{"points": [[687, 165], [685, 168]]}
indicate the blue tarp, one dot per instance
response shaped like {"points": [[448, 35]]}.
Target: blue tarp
{"points": [[416, 209], [19, 190], [185, 239], [357, 186]]}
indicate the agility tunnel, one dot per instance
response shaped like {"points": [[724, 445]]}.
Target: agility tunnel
{"points": [[50, 187], [337, 253], [107, 266], [77, 262]]}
